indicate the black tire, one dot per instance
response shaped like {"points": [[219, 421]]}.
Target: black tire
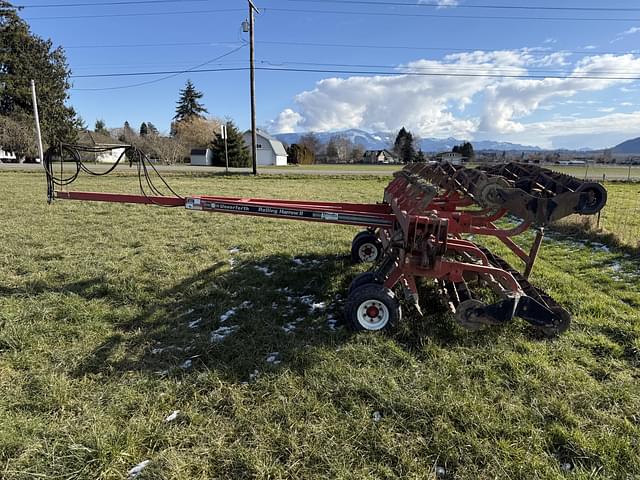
{"points": [[361, 279], [372, 307], [363, 232], [366, 247]]}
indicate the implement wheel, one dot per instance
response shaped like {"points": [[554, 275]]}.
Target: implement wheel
{"points": [[372, 307], [361, 279], [366, 247]]}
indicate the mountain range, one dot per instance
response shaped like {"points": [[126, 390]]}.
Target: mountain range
{"points": [[382, 140], [630, 146]]}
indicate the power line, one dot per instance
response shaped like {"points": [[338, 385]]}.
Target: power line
{"points": [[144, 45], [96, 4], [167, 76], [350, 2], [343, 12], [365, 72], [528, 51], [148, 14], [436, 15], [466, 5], [510, 69], [544, 52]]}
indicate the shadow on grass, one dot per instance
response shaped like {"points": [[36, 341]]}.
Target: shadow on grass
{"points": [[258, 316], [255, 316]]}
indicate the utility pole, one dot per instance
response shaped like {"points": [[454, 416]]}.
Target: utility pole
{"points": [[223, 131], [37, 120], [254, 136]]}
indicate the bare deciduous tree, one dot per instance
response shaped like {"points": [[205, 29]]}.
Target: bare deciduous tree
{"points": [[17, 137], [196, 132]]}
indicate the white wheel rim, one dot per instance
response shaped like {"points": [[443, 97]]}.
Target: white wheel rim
{"points": [[368, 252], [373, 315]]}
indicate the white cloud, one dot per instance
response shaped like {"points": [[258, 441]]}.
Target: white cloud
{"points": [[606, 109], [550, 40], [286, 122], [626, 33], [594, 132], [626, 104], [436, 106], [589, 47], [441, 3]]}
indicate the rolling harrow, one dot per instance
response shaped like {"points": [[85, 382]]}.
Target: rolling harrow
{"points": [[415, 232]]}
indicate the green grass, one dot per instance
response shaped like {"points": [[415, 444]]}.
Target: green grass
{"points": [[619, 219], [95, 306]]}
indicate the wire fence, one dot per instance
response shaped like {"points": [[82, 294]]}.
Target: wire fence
{"points": [[619, 219]]}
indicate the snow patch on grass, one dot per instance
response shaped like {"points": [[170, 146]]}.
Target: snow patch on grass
{"points": [[265, 270], [221, 333], [228, 314], [137, 470], [273, 358], [172, 416]]}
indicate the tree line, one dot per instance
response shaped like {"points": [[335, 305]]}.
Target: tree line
{"points": [[340, 149], [25, 56]]}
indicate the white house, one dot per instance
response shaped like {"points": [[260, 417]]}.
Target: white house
{"points": [[94, 139], [379, 156], [270, 150], [8, 157], [202, 157]]}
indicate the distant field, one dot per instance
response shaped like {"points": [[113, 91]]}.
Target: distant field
{"points": [[114, 316]]}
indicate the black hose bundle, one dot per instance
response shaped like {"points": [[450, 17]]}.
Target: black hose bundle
{"points": [[68, 153]]}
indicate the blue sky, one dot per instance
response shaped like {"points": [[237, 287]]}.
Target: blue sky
{"points": [[545, 110]]}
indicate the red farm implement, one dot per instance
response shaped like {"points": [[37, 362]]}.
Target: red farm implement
{"points": [[417, 231]]}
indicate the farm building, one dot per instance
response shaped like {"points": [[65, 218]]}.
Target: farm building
{"points": [[7, 157], [95, 139], [270, 151], [451, 157], [379, 156], [202, 157]]}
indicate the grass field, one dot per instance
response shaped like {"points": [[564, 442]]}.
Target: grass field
{"points": [[112, 317], [619, 219]]}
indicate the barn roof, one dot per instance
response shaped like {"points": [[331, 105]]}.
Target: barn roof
{"points": [[276, 145]]}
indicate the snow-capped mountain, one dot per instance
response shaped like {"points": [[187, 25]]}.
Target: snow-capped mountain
{"points": [[382, 140]]}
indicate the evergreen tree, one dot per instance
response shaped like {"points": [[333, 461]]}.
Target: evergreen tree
{"points": [[127, 134], [466, 150], [151, 128], [188, 105], [403, 146], [25, 56], [144, 129], [101, 127], [238, 151]]}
